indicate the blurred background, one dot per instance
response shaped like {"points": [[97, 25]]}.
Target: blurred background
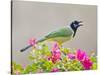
{"points": [[36, 19]]}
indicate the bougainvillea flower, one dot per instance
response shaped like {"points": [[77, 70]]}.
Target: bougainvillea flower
{"points": [[55, 46], [84, 59], [17, 73], [32, 41], [71, 56], [55, 57], [80, 55], [55, 70], [24, 65], [87, 63], [56, 54], [49, 58]]}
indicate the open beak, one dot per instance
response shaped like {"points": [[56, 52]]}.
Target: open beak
{"points": [[81, 23]]}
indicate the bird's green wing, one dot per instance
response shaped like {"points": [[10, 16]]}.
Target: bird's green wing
{"points": [[64, 32]]}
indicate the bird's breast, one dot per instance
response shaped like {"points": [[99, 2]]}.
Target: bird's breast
{"points": [[60, 39]]}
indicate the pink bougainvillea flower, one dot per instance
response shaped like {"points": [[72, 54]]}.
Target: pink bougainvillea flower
{"points": [[87, 63], [55, 58], [56, 54], [32, 41], [49, 58], [80, 55], [55, 46], [24, 65], [84, 59], [71, 56], [55, 70], [17, 73]]}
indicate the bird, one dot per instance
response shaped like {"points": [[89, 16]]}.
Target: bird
{"points": [[61, 35]]}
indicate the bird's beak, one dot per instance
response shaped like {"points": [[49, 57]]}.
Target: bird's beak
{"points": [[81, 23]]}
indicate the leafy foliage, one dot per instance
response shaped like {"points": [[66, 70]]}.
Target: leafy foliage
{"points": [[41, 59]]}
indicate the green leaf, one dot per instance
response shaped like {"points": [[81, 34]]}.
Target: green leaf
{"points": [[27, 70], [94, 66], [94, 59], [31, 57]]}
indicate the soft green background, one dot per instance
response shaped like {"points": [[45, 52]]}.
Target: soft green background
{"points": [[35, 19]]}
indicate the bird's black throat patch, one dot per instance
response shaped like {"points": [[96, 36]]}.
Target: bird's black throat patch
{"points": [[74, 29]]}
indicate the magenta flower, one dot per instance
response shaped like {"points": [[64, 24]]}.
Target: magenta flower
{"points": [[55, 46], [87, 63], [32, 41], [80, 55], [55, 70], [84, 59], [49, 58], [55, 57], [71, 56], [56, 54]]}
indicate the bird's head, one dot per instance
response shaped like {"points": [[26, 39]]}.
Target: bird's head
{"points": [[75, 25]]}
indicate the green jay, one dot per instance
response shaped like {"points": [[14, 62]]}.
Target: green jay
{"points": [[61, 35]]}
